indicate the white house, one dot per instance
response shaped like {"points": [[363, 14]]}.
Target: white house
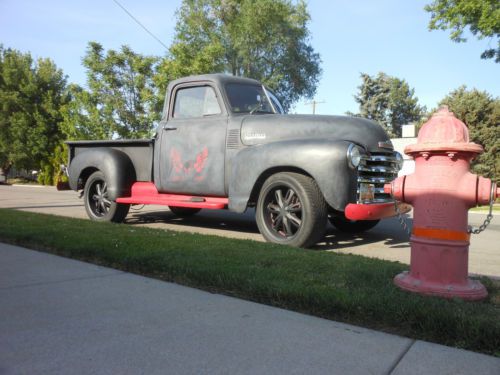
{"points": [[409, 137]]}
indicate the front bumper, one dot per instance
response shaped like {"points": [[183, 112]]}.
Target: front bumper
{"points": [[374, 211]]}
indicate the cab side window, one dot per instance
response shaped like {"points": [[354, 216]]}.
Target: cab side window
{"points": [[196, 102]]}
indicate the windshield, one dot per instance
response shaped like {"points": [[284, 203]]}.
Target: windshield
{"points": [[248, 98]]}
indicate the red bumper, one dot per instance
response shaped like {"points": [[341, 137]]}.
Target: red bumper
{"points": [[374, 211]]}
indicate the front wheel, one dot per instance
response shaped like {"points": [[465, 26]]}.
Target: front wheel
{"points": [[291, 210], [97, 203], [352, 226]]}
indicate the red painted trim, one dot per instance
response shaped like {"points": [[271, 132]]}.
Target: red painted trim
{"points": [[373, 211], [146, 193]]}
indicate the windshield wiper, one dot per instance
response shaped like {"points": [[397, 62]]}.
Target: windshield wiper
{"points": [[257, 108]]}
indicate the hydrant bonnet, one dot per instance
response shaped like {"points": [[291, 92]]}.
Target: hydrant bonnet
{"points": [[444, 132]]}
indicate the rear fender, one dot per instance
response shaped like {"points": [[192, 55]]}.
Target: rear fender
{"points": [[116, 166], [324, 160]]}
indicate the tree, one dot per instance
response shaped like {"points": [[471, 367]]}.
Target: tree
{"points": [[389, 101], [481, 16], [481, 113], [267, 40], [121, 101], [31, 96]]}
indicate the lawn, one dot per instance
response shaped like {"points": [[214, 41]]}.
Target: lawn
{"points": [[496, 208], [345, 288]]}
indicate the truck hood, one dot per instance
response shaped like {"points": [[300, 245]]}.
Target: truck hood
{"points": [[261, 129]]}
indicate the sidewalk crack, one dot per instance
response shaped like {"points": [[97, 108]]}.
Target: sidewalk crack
{"points": [[401, 356]]}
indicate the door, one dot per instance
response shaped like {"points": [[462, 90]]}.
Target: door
{"points": [[193, 140]]}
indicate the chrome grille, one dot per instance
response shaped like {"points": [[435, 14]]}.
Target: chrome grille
{"points": [[377, 169]]}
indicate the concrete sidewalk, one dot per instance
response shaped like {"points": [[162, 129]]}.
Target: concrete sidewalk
{"points": [[60, 316]]}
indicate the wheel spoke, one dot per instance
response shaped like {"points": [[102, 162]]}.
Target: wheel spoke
{"points": [[287, 227], [273, 208], [279, 198], [294, 220], [103, 207], [290, 194], [277, 222], [295, 207]]}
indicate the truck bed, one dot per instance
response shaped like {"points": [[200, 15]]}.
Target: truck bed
{"points": [[140, 152]]}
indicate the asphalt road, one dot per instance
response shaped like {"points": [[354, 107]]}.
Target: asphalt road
{"points": [[387, 240]]}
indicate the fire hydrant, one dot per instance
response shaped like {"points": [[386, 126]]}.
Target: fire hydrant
{"points": [[441, 192]]}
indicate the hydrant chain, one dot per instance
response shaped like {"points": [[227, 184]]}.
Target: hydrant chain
{"points": [[482, 227], [401, 219], [489, 217]]}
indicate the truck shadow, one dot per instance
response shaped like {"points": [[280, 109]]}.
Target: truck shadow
{"points": [[387, 233], [206, 219]]}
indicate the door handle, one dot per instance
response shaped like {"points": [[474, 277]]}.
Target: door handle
{"points": [[166, 127]]}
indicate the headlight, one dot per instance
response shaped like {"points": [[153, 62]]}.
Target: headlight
{"points": [[353, 156], [399, 160]]}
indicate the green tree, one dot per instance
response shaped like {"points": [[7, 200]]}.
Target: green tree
{"points": [[482, 17], [481, 113], [31, 97], [121, 101], [267, 40], [389, 101]]}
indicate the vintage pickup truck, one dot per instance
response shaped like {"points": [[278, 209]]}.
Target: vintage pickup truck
{"points": [[225, 143]]}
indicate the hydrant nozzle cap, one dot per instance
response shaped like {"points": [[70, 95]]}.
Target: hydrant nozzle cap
{"points": [[443, 132]]}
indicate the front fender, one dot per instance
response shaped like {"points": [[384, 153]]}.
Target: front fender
{"points": [[116, 166], [323, 159]]}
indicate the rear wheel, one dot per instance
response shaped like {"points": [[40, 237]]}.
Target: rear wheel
{"points": [[291, 210], [352, 226], [97, 203], [184, 211]]}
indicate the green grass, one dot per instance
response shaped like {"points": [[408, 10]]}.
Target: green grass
{"points": [[346, 288], [496, 208]]}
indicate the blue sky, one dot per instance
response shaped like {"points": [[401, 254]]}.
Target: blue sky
{"points": [[351, 36]]}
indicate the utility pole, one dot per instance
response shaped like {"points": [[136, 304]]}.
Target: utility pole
{"points": [[314, 103]]}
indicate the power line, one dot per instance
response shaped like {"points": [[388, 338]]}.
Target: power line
{"points": [[140, 24], [314, 103]]}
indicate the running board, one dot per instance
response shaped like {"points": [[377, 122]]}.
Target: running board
{"points": [[146, 193]]}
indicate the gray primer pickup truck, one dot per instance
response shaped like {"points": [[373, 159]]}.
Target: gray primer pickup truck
{"points": [[225, 143]]}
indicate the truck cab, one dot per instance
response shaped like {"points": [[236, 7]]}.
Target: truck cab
{"points": [[225, 142]]}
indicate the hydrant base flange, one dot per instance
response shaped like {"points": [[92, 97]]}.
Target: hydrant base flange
{"points": [[472, 290]]}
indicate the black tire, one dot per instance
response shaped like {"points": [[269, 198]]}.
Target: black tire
{"points": [[184, 211], [352, 226], [97, 204], [291, 210]]}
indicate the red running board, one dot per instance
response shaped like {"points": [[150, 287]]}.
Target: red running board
{"points": [[146, 193]]}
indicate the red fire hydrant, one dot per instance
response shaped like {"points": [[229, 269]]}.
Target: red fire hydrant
{"points": [[441, 192]]}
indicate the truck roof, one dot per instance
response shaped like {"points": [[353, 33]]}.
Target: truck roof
{"points": [[218, 78]]}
